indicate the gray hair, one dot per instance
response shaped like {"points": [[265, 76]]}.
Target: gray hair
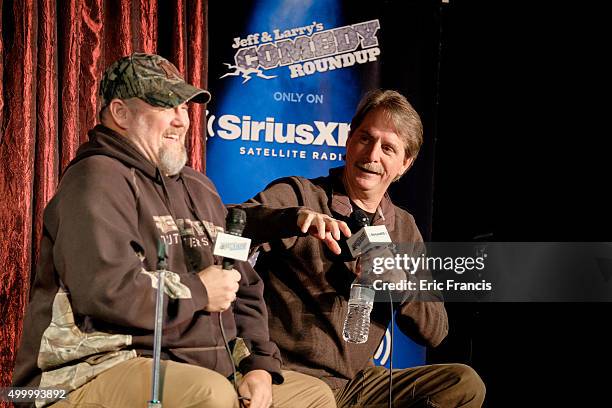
{"points": [[400, 112]]}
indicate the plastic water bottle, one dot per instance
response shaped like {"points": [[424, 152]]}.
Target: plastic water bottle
{"points": [[357, 323]]}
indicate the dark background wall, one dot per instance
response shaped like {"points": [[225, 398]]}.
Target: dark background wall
{"points": [[521, 155]]}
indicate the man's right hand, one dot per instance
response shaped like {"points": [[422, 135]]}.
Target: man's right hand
{"points": [[221, 286], [323, 227]]}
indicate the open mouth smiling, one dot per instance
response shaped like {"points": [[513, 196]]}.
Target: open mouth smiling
{"points": [[174, 138]]}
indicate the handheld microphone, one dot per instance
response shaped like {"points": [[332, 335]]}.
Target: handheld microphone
{"points": [[368, 236], [231, 245]]}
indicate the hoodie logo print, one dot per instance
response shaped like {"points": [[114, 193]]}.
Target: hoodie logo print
{"points": [[192, 233]]}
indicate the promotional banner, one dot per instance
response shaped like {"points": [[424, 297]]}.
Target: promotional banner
{"points": [[275, 113], [286, 78]]}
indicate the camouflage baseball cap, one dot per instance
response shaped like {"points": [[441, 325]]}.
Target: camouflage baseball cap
{"points": [[151, 78]]}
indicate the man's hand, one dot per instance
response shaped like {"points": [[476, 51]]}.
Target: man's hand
{"points": [[323, 227], [221, 286], [256, 385], [366, 264]]}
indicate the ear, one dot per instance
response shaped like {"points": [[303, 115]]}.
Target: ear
{"points": [[120, 113], [408, 161]]}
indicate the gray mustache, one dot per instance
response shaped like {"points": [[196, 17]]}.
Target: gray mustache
{"points": [[376, 168]]}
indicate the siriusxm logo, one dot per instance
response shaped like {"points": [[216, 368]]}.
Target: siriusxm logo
{"points": [[232, 127], [233, 246]]}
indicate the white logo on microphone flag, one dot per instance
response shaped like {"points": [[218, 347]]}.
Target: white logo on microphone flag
{"points": [[232, 246]]}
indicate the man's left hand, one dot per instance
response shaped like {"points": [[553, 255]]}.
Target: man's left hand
{"points": [[257, 385]]}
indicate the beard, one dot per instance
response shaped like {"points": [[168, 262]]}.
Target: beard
{"points": [[172, 158]]}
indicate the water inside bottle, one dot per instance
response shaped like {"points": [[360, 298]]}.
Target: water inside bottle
{"points": [[357, 323]]}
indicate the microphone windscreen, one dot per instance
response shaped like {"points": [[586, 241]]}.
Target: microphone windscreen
{"points": [[359, 219], [235, 221]]}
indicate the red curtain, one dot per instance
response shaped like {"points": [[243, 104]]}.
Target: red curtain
{"points": [[52, 54]]}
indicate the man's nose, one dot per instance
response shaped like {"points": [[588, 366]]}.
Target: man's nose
{"points": [[373, 152], [181, 117]]}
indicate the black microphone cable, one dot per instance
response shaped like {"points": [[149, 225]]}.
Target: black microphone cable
{"points": [[359, 220], [391, 351]]}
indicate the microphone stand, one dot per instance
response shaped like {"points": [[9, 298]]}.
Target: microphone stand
{"points": [[162, 265]]}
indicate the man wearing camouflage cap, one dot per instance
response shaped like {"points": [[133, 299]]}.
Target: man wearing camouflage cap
{"points": [[89, 325]]}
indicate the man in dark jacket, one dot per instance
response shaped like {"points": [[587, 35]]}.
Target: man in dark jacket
{"points": [[307, 284], [89, 325]]}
